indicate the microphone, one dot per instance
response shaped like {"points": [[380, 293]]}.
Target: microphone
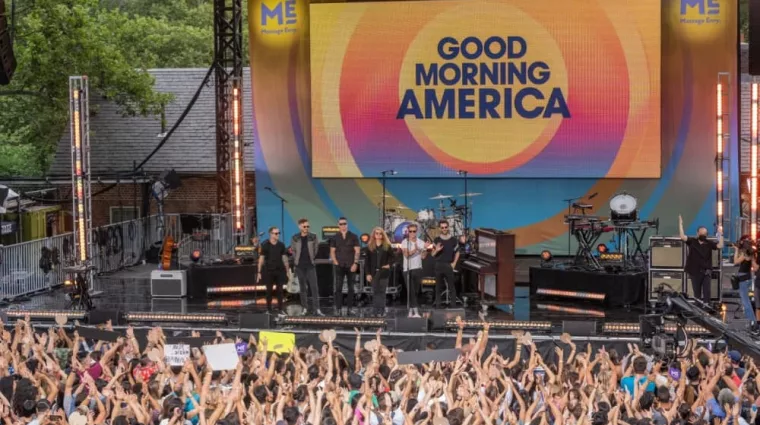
{"points": [[391, 172], [462, 172]]}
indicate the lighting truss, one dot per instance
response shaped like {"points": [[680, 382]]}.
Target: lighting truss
{"points": [[234, 289], [176, 317], [79, 110], [571, 294], [753, 164], [335, 321], [237, 168], [46, 314], [635, 329], [570, 310], [504, 324]]}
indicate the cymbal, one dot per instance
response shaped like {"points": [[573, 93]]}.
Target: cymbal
{"points": [[439, 197], [469, 194]]}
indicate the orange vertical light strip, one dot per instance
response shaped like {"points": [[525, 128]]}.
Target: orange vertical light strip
{"points": [[753, 166], [80, 224], [236, 157], [719, 150]]}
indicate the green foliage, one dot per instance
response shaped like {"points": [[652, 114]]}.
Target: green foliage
{"points": [[113, 42], [744, 18]]}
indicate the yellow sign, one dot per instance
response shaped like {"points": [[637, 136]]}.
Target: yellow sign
{"points": [[277, 342]]}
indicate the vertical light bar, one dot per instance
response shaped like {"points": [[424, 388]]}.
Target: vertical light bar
{"points": [[238, 176], [753, 166], [80, 165], [719, 154]]}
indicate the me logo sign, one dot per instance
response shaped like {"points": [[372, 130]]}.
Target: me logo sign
{"points": [[699, 12], [282, 13]]}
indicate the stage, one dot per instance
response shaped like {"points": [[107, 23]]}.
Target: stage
{"points": [[618, 289]]}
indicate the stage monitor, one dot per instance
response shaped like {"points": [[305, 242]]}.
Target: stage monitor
{"points": [[514, 88]]}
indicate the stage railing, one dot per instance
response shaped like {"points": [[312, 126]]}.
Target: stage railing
{"points": [[213, 242]]}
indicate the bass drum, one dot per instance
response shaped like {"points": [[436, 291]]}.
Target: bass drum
{"points": [[623, 208], [401, 231]]}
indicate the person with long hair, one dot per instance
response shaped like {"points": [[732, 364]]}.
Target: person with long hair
{"points": [[379, 260], [744, 257]]}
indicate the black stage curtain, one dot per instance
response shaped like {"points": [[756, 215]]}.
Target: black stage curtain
{"points": [[346, 342], [621, 289], [200, 277]]}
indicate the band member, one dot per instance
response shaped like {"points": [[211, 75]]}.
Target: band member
{"points": [[344, 252], [379, 260], [699, 260], [414, 252], [304, 247], [273, 266], [446, 253], [744, 257]]}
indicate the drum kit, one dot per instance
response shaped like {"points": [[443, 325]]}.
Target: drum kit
{"points": [[397, 219]]}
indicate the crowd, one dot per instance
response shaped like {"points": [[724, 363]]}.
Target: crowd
{"points": [[55, 377]]}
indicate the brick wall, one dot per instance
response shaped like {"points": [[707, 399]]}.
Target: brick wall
{"points": [[197, 195]]}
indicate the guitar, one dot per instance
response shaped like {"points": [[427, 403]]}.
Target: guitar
{"points": [[166, 255]]}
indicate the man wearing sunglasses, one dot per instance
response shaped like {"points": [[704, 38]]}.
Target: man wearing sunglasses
{"points": [[304, 247], [273, 266], [414, 252], [344, 253]]}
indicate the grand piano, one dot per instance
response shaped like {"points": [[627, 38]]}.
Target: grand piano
{"points": [[494, 265]]}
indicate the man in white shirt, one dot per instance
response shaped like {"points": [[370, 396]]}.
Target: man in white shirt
{"points": [[414, 252]]}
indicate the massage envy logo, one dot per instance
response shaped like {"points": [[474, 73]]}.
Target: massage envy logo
{"points": [[279, 17], [700, 12]]}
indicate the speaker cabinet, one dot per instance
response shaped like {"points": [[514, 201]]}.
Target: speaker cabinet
{"points": [[715, 287], [666, 253], [7, 58], [168, 284], [668, 280], [579, 328], [439, 318], [255, 321], [168, 305]]}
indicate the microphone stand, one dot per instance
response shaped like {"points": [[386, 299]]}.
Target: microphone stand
{"points": [[466, 205], [282, 209], [382, 223]]}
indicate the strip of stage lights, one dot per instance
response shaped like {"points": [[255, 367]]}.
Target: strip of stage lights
{"points": [[719, 155], [335, 321], [512, 325], [235, 303], [571, 310], [635, 329], [571, 294], [238, 173], [79, 164], [234, 289], [753, 166], [176, 317], [46, 314]]}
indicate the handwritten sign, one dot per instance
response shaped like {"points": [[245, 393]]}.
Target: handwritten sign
{"points": [[176, 354]]}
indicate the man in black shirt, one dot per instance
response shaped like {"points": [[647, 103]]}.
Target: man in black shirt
{"points": [[344, 253], [446, 256], [273, 266], [699, 259], [304, 246]]}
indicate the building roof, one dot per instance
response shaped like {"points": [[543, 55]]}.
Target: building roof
{"points": [[116, 141]]}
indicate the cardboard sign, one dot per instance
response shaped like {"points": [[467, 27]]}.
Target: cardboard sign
{"points": [[221, 356], [196, 342], [277, 342], [176, 354], [241, 348]]}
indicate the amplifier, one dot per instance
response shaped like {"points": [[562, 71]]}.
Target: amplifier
{"points": [[168, 305], [715, 286], [666, 253], [673, 279], [168, 283]]}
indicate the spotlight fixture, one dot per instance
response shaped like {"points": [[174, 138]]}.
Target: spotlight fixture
{"points": [[45, 314], [335, 321], [364, 238], [504, 324], [196, 255], [234, 289], [546, 255], [571, 310], [175, 317], [601, 248], [571, 294]]}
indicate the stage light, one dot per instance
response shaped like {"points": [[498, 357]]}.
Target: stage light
{"points": [[235, 303], [753, 164], [196, 255], [80, 167], [46, 314], [503, 324], [611, 256], [234, 289], [175, 317], [570, 310], [546, 255], [571, 294], [719, 155], [364, 238], [428, 281], [634, 328], [238, 168], [335, 321], [601, 248]]}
